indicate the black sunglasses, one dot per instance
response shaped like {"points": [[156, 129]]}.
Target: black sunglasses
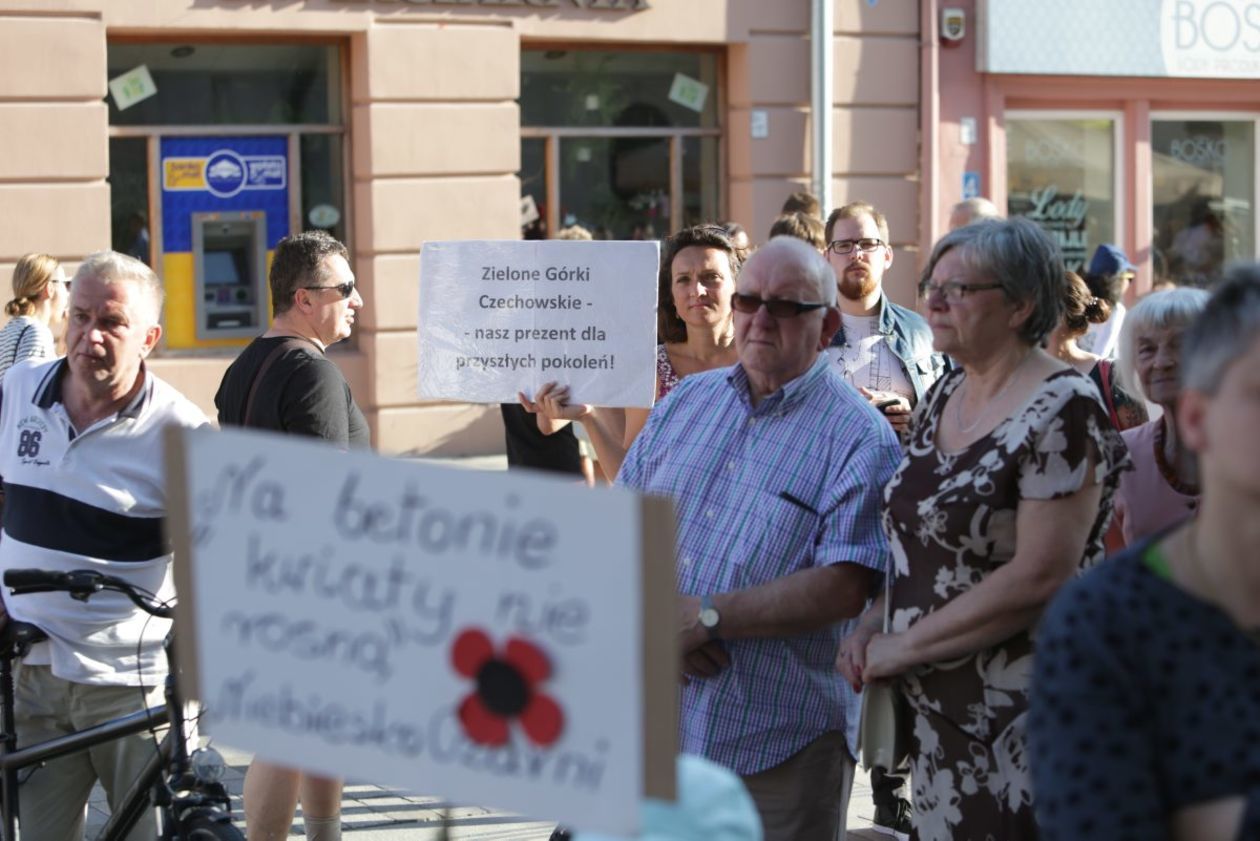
{"points": [[778, 308], [345, 290]]}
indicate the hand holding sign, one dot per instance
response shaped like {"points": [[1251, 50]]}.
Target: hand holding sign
{"points": [[552, 400]]}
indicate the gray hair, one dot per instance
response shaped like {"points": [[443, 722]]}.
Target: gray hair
{"points": [[817, 269], [1226, 329], [1021, 257], [110, 267], [1172, 308]]}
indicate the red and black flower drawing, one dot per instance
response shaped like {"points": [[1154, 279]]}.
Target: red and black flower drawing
{"points": [[507, 688]]}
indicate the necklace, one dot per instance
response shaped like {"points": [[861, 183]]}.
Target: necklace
{"points": [[1166, 470], [966, 429]]}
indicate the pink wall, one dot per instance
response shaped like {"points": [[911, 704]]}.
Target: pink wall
{"points": [[961, 93]]}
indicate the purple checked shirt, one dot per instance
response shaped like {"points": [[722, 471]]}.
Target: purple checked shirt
{"points": [[761, 493]]}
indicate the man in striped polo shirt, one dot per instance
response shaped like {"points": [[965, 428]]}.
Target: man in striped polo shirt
{"points": [[776, 467], [85, 487]]}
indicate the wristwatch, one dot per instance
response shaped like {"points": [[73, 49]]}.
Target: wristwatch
{"points": [[709, 617]]}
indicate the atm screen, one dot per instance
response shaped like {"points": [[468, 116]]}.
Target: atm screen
{"points": [[225, 267]]}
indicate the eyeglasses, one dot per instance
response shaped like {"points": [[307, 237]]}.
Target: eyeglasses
{"points": [[779, 308], [953, 291], [846, 246], [345, 290]]}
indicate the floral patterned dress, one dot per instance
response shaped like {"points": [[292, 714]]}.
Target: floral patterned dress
{"points": [[950, 518], [666, 376]]}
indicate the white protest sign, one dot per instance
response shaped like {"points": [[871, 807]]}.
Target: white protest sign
{"points": [[478, 636], [499, 317]]}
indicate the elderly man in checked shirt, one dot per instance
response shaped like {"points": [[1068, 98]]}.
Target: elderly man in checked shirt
{"points": [[776, 467]]}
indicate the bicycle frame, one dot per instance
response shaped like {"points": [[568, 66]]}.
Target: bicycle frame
{"points": [[146, 792]]}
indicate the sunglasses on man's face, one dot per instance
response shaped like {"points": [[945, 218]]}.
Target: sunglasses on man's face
{"points": [[779, 308], [345, 290]]}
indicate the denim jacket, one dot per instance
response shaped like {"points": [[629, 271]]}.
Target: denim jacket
{"points": [[910, 340]]}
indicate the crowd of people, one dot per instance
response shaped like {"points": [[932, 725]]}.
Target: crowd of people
{"points": [[866, 494], [1023, 452]]}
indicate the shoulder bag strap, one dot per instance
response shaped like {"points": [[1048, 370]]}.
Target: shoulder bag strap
{"points": [[287, 344], [1104, 371]]}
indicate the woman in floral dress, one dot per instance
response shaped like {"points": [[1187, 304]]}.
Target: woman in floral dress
{"points": [[1003, 496]]}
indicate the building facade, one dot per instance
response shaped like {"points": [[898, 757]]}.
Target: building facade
{"points": [[390, 123], [196, 133]]}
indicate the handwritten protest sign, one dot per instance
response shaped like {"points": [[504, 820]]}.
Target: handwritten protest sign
{"points": [[478, 636], [505, 316]]}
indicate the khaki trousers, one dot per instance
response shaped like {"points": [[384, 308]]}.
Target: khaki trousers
{"points": [[806, 797], [53, 799]]}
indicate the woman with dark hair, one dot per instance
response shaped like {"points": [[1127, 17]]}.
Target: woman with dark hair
{"points": [[696, 331], [1145, 715], [1002, 497], [1081, 309]]}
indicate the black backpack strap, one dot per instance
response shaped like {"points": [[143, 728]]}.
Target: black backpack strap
{"points": [[288, 344]]}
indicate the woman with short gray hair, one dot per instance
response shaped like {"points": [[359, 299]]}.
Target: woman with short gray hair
{"points": [[1152, 661], [1003, 496], [1163, 487]]}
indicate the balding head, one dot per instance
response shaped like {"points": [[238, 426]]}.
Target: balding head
{"points": [[784, 251], [788, 275], [972, 210]]}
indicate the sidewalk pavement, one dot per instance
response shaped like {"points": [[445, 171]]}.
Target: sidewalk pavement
{"points": [[373, 813]]}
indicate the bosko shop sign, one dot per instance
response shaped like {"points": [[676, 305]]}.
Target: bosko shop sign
{"points": [[1152, 38]]}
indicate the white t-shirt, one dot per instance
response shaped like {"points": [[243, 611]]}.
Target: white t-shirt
{"points": [[866, 360], [1104, 339]]}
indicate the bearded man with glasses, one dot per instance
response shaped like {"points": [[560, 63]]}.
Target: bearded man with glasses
{"points": [[283, 381], [882, 349], [775, 466]]}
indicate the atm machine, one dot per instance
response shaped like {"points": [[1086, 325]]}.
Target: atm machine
{"points": [[224, 205], [230, 268]]}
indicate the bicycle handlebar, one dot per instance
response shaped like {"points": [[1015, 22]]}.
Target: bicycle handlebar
{"points": [[82, 584]]}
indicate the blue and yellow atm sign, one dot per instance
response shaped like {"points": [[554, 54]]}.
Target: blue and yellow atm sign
{"points": [[225, 172]]}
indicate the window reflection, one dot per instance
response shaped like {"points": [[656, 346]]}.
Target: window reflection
{"points": [[1203, 175], [1061, 174]]}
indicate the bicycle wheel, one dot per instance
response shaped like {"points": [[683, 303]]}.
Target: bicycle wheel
{"points": [[210, 826]]}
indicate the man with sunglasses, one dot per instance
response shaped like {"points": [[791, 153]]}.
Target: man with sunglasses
{"points": [[883, 349], [283, 381], [776, 467]]}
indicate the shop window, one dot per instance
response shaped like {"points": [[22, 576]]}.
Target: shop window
{"points": [[129, 197], [238, 84], [601, 88], [619, 184], [1061, 173], [625, 144], [226, 149], [1203, 190], [322, 188]]}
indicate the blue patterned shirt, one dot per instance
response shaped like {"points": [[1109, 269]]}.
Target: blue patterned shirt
{"points": [[761, 493]]}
